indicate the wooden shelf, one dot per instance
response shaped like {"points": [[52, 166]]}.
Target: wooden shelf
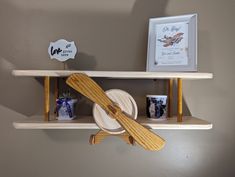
{"points": [[36, 122], [115, 74]]}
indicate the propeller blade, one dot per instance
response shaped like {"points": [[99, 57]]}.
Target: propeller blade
{"points": [[89, 88], [143, 136]]}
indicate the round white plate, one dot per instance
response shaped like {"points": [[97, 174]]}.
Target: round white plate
{"points": [[127, 104]]}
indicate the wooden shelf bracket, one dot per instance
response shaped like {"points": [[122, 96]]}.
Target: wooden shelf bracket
{"points": [[101, 135]]}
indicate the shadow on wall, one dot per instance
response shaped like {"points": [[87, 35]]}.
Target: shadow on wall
{"points": [[82, 61], [18, 94], [116, 41], [205, 55], [108, 40]]}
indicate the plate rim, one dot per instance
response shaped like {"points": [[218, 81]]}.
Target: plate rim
{"points": [[134, 105]]}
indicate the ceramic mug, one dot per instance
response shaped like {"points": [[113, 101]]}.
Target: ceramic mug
{"points": [[156, 107]]}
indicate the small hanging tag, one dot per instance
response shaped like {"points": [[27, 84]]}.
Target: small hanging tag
{"points": [[62, 50]]}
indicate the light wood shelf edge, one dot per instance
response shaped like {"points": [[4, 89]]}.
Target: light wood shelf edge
{"points": [[189, 123], [115, 74]]}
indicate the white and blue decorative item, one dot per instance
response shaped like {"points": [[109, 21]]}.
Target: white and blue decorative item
{"points": [[62, 50], [156, 107], [65, 107]]}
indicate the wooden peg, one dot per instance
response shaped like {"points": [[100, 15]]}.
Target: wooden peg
{"points": [[101, 135], [170, 98], [46, 98], [180, 101], [56, 95]]}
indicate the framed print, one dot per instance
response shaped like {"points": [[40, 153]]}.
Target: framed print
{"points": [[172, 43]]}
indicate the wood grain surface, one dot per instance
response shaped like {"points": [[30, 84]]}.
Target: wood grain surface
{"points": [[101, 135], [86, 86]]}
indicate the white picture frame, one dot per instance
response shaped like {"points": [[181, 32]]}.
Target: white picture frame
{"points": [[172, 43]]}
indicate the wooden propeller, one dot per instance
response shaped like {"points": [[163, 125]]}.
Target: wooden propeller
{"points": [[89, 88]]}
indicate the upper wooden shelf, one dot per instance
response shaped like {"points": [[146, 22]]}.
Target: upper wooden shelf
{"points": [[189, 123], [115, 74]]}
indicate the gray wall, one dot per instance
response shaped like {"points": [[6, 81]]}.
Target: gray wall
{"points": [[112, 35]]}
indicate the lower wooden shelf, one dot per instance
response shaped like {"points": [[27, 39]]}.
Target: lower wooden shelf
{"points": [[37, 122]]}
